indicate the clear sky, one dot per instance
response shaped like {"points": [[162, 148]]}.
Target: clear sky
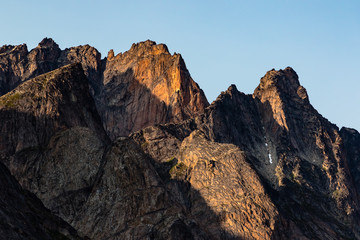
{"points": [[222, 42]]}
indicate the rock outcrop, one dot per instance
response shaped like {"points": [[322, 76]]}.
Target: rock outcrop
{"points": [[134, 202], [146, 86]]}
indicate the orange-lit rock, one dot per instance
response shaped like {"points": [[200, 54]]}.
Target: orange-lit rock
{"points": [[145, 86]]}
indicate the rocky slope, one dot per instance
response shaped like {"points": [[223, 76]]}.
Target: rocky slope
{"points": [[260, 166]]}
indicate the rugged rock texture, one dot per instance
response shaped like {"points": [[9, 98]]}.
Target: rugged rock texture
{"points": [[90, 60], [260, 166], [229, 186], [134, 202], [32, 113], [141, 87], [23, 216]]}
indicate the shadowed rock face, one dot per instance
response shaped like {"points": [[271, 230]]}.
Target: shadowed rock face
{"points": [[260, 166], [351, 141]]}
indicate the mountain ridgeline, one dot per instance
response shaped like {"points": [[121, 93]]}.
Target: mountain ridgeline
{"points": [[128, 147]]}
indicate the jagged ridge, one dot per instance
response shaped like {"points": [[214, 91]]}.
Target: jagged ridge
{"points": [[260, 166]]}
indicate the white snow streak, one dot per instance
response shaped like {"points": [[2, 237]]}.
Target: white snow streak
{"points": [[268, 149], [270, 159]]}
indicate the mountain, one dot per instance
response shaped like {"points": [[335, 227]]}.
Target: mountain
{"points": [[132, 90], [298, 156], [127, 147]]}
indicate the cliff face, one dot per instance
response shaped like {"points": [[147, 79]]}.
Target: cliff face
{"points": [[309, 149], [260, 166], [145, 86]]}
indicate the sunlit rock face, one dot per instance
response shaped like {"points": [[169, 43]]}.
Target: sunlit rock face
{"points": [[127, 147], [146, 86]]}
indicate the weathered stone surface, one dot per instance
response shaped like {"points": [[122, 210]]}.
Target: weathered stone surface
{"points": [[134, 204], [23, 216], [90, 60], [229, 186], [17, 64], [309, 148]]}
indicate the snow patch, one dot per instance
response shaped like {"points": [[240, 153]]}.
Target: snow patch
{"points": [[270, 159], [267, 148]]}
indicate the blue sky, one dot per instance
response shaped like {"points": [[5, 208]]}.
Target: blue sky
{"points": [[222, 42]]}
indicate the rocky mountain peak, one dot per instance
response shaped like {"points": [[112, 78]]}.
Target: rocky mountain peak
{"points": [[143, 86], [110, 55], [148, 47], [285, 82], [228, 94], [279, 91], [148, 86], [48, 43], [6, 49], [232, 89]]}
